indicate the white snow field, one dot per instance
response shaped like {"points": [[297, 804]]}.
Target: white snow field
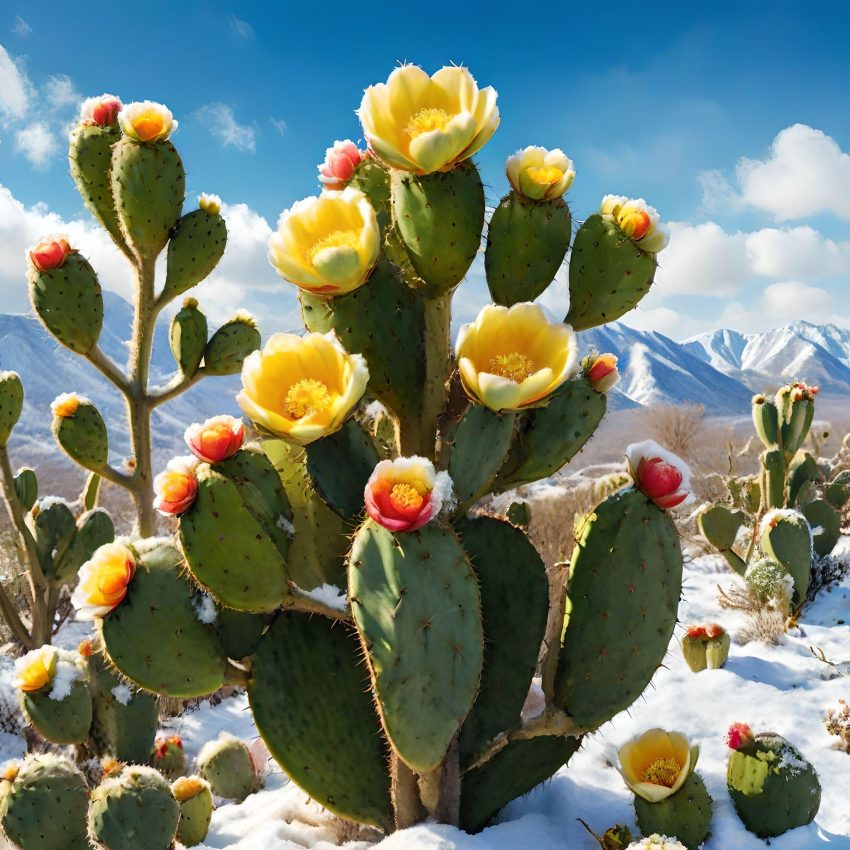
{"points": [[777, 688]]}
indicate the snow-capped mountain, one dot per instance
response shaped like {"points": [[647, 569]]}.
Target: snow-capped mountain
{"points": [[47, 369]]}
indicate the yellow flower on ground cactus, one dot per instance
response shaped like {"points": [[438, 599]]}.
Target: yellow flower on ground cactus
{"points": [[146, 121], [187, 787], [540, 174], [103, 582], [327, 245], [422, 124], [510, 358], [302, 388], [638, 220], [657, 763], [36, 669]]}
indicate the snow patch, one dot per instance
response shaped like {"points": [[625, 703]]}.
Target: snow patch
{"points": [[205, 608], [286, 525], [123, 693], [63, 682], [330, 595]]}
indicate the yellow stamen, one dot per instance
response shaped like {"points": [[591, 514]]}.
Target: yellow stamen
{"points": [[663, 772], [148, 125], [337, 239], [406, 495], [546, 175], [305, 397], [427, 120], [515, 367]]}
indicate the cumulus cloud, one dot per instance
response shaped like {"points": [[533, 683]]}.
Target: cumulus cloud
{"points": [[779, 304], [797, 252], [15, 87], [220, 120], [21, 28], [37, 143], [60, 92]]}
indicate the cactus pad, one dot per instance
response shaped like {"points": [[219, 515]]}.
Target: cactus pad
{"points": [[187, 337], [226, 764], [719, 525], [229, 346], [11, 404], [685, 814], [60, 721], [82, 436], [788, 541], [196, 246], [416, 604], [825, 522]]}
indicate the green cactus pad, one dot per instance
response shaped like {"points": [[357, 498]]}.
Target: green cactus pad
{"points": [[83, 437], [624, 588], [64, 721], [69, 302], [478, 451], [187, 337], [90, 158], [795, 428], [825, 521], [772, 786], [122, 728], [11, 404], [44, 808], [788, 541], [719, 525], [134, 811], [186, 658], [514, 604], [385, 322], [196, 246], [229, 346], [439, 218], [373, 180], [802, 470], [774, 477], [226, 764], [234, 535], [837, 492], [26, 487], [311, 702], [526, 244], [195, 816], [169, 758], [685, 814], [148, 187], [320, 543], [514, 771], [609, 274], [340, 465], [548, 437], [416, 604], [54, 528], [240, 631]]}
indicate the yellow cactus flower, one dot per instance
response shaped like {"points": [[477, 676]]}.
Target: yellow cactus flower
{"points": [[540, 174], [104, 580], [209, 203], [66, 404], [657, 763], [36, 669], [638, 220], [10, 771], [302, 388], [187, 787], [327, 245], [511, 358], [422, 124], [146, 121]]}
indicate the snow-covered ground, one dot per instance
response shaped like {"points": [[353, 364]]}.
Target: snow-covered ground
{"points": [[783, 689]]}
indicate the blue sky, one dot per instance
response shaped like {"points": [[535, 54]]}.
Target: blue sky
{"points": [[661, 102]]}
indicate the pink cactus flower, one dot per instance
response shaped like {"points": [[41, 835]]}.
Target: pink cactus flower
{"points": [[176, 487], [603, 373], [340, 163], [739, 735], [660, 475], [216, 439], [50, 253]]}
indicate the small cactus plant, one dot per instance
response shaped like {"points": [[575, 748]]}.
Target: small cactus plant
{"points": [[343, 535], [226, 765], [168, 757], [772, 786], [706, 647], [196, 808]]}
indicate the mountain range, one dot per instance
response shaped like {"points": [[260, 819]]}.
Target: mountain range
{"points": [[720, 370]]}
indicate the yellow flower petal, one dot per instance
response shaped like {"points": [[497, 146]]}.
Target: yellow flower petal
{"points": [[665, 757]]}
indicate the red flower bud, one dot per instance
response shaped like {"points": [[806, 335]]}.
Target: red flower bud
{"points": [[340, 163], [603, 373], [49, 254], [739, 735]]}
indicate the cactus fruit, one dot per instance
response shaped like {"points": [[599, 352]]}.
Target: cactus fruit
{"points": [[685, 814], [194, 250], [526, 244], [230, 345], [11, 404], [69, 302], [168, 757], [773, 787], [196, 809], [187, 337], [134, 810], [43, 804], [706, 648], [226, 765]]}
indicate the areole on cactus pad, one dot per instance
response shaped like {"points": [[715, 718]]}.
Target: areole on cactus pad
{"points": [[387, 630]]}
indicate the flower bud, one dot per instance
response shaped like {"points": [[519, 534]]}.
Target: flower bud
{"points": [[50, 253], [602, 373], [66, 404], [210, 204], [187, 787], [637, 220], [36, 669], [660, 475], [340, 163], [216, 439], [739, 736], [10, 771], [85, 648], [101, 111], [540, 174], [176, 487], [146, 121]]}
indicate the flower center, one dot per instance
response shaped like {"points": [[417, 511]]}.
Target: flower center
{"points": [[515, 367], [337, 239], [305, 397], [545, 175], [635, 225], [427, 120], [148, 125], [663, 772], [406, 496]]}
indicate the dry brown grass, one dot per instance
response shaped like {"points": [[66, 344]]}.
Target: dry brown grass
{"points": [[766, 621]]}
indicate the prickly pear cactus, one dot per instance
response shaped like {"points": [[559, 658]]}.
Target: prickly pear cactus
{"points": [[387, 636]]}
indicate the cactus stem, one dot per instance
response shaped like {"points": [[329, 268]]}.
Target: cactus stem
{"points": [[554, 630], [107, 368], [175, 387]]}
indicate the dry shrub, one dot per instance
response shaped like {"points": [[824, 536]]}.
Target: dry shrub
{"points": [[766, 621], [837, 722], [676, 427]]}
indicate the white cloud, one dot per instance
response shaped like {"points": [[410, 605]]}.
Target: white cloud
{"points": [[21, 28], [806, 173], [242, 28], [14, 87], [797, 252], [37, 143], [703, 259], [779, 304], [279, 124], [60, 92], [219, 119]]}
